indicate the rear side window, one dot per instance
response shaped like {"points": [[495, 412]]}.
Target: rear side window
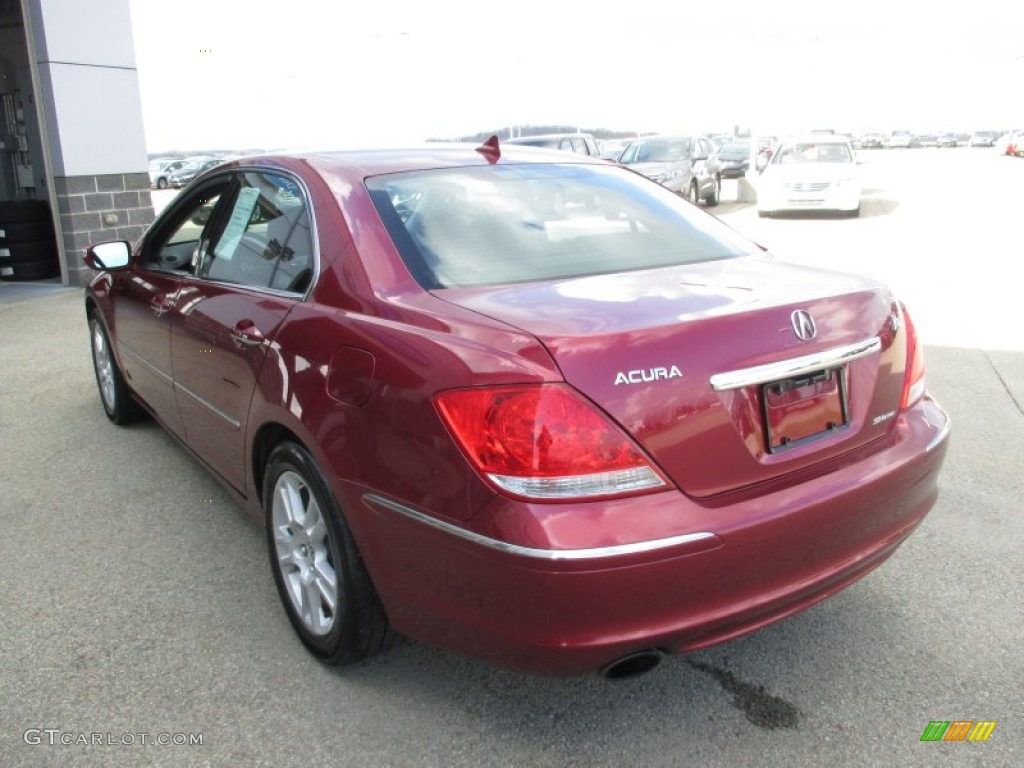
{"points": [[265, 239], [517, 223]]}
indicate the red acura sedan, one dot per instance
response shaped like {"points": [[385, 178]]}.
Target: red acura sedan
{"points": [[521, 404]]}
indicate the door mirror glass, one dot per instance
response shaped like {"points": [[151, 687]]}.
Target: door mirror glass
{"points": [[110, 255]]}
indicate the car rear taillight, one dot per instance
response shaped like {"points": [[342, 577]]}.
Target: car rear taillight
{"points": [[545, 442], [913, 380]]}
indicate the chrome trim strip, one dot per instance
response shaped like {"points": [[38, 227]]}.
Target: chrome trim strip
{"points": [[553, 555], [796, 366], [235, 424], [145, 363]]}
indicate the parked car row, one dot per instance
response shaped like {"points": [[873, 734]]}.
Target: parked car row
{"points": [[902, 139], [177, 172]]}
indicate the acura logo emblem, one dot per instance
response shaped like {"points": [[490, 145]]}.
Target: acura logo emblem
{"points": [[803, 325]]}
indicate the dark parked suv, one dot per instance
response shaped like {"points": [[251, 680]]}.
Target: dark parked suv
{"points": [[680, 163], [580, 143], [732, 161]]}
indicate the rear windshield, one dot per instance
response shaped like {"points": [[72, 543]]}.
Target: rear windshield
{"points": [[656, 151], [487, 225], [813, 152], [735, 149]]}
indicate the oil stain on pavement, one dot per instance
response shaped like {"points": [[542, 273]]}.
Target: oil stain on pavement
{"points": [[760, 707]]}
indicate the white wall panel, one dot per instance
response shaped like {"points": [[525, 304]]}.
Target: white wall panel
{"points": [[84, 32], [98, 120]]}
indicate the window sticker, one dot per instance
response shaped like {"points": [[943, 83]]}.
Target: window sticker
{"points": [[240, 217]]}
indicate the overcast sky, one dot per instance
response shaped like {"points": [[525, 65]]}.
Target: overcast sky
{"points": [[267, 73]]}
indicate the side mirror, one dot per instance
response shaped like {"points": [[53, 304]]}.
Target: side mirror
{"points": [[114, 254]]}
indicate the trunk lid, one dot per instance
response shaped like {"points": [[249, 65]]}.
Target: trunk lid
{"points": [[683, 359]]}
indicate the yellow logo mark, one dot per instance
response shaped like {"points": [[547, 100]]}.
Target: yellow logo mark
{"points": [[982, 730]]}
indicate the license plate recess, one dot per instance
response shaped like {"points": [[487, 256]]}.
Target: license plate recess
{"points": [[803, 408]]}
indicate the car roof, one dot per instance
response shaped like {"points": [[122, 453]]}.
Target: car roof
{"points": [[374, 162]]}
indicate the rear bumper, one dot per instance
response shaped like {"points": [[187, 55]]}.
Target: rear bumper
{"points": [[733, 172], [763, 558]]}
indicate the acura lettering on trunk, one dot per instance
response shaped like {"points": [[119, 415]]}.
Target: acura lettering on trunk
{"points": [[448, 381], [648, 374]]}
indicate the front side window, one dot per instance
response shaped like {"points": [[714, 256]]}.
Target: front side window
{"points": [[516, 223], [178, 240]]}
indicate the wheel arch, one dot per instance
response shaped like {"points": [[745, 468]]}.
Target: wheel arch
{"points": [[266, 439]]}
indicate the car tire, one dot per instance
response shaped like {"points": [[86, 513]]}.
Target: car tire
{"points": [[22, 231], [22, 211], [161, 183], [716, 192], [694, 196], [28, 270], [321, 579], [115, 396]]}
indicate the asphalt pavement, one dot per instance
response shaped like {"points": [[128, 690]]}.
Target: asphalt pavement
{"points": [[136, 601]]}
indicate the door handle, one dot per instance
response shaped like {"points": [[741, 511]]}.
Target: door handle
{"points": [[160, 305], [247, 334]]}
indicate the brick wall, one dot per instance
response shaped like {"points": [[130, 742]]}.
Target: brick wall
{"points": [[97, 208]]}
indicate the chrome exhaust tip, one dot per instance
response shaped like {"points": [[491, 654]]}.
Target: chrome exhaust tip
{"points": [[631, 665]]}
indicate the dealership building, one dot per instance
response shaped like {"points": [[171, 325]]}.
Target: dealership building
{"points": [[73, 166]]}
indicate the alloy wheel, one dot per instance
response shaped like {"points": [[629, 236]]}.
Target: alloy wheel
{"points": [[104, 367], [303, 553]]}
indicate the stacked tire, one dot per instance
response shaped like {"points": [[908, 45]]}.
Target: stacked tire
{"points": [[28, 247]]}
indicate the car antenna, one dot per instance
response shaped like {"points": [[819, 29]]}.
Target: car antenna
{"points": [[490, 149]]}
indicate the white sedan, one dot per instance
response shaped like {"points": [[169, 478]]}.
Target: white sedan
{"points": [[816, 173]]}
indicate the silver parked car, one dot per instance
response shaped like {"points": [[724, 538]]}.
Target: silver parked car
{"points": [[680, 163]]}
